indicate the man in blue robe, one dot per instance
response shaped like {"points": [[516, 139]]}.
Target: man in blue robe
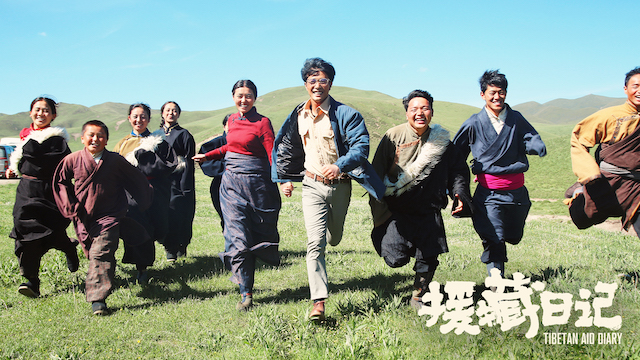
{"points": [[499, 139]]}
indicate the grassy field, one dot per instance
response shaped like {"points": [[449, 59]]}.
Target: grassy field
{"points": [[188, 309]]}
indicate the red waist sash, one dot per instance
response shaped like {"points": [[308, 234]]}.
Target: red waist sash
{"points": [[501, 182]]}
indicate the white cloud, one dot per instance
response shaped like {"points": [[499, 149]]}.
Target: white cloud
{"points": [[42, 33]]}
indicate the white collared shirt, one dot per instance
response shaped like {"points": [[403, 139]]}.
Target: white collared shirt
{"points": [[497, 121]]}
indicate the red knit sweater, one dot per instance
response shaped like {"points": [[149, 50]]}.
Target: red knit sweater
{"points": [[248, 134]]}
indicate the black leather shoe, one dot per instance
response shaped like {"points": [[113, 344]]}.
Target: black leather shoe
{"points": [[99, 308], [30, 289]]}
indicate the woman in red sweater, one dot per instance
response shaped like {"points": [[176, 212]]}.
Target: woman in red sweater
{"points": [[250, 201]]}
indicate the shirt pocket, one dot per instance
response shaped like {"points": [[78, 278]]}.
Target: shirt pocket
{"points": [[327, 138]]}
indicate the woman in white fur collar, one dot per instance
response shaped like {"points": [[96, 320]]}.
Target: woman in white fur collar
{"points": [[153, 155], [38, 226]]}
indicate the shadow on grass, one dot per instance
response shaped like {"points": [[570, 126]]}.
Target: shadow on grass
{"points": [[358, 252], [383, 285], [163, 278], [549, 273], [161, 287], [330, 323], [287, 258], [630, 276]]}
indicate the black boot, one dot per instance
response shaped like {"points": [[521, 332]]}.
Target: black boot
{"points": [[31, 288], [142, 277], [73, 262], [421, 285], [99, 308]]}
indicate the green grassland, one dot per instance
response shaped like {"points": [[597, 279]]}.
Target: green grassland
{"points": [[188, 309]]}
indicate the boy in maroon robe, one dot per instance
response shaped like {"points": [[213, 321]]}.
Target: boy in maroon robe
{"points": [[89, 188]]}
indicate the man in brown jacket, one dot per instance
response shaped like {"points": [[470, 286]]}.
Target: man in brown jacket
{"points": [[610, 181]]}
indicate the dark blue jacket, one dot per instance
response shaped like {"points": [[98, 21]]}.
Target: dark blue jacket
{"points": [[352, 143], [495, 154]]}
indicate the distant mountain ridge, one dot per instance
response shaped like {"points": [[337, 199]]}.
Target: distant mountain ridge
{"points": [[566, 111], [380, 111]]}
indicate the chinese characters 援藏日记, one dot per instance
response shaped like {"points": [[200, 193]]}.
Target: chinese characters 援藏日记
{"points": [[510, 309]]}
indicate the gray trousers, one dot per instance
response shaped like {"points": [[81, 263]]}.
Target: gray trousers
{"points": [[102, 264], [325, 208]]}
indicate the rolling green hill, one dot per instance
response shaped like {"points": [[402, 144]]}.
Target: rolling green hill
{"points": [[565, 111], [379, 110]]}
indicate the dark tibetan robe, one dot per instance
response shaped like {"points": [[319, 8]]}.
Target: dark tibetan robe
{"points": [[249, 200], [152, 155], [35, 214], [625, 155], [182, 206], [421, 173], [250, 204]]}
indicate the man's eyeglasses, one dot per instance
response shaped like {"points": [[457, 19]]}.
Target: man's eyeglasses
{"points": [[322, 81], [415, 110]]}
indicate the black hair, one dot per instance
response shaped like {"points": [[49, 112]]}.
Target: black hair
{"points": [[97, 123], [245, 83], [315, 65], [162, 110], [630, 74], [493, 78], [415, 94], [50, 102], [143, 106], [224, 121]]}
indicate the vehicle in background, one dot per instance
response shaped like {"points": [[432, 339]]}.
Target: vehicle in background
{"points": [[7, 146]]}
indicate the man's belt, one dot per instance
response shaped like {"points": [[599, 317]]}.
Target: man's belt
{"points": [[629, 174], [326, 181]]}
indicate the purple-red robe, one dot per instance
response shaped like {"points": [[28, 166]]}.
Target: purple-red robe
{"points": [[93, 194]]}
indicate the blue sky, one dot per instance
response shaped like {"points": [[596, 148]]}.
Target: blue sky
{"points": [[126, 51]]}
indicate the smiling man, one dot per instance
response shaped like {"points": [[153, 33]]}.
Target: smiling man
{"points": [[612, 180], [420, 167], [324, 144], [89, 188], [499, 139]]}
